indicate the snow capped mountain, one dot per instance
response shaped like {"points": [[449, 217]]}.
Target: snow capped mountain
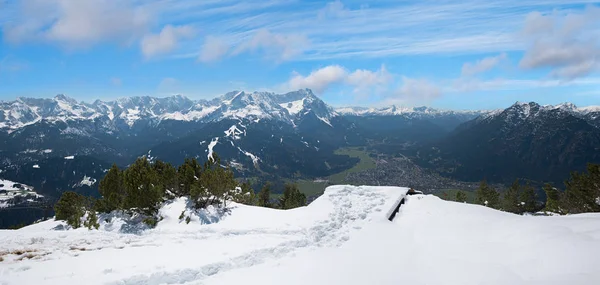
{"points": [[521, 112], [408, 112], [126, 112], [542, 143]]}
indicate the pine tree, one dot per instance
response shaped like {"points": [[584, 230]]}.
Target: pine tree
{"points": [[112, 190], [461, 197], [292, 197], [167, 175], [264, 196], [487, 196], [480, 194], [245, 195], [582, 193], [510, 202], [217, 180], [91, 221], [70, 208], [187, 175], [552, 199], [143, 187], [529, 199], [493, 198]]}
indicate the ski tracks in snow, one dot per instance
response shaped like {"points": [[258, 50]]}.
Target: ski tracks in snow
{"points": [[352, 207]]}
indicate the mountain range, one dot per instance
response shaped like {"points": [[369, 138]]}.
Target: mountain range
{"points": [[526, 140], [54, 144]]}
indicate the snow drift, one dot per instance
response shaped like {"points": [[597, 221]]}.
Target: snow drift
{"points": [[343, 237]]}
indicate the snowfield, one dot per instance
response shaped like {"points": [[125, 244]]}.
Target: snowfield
{"points": [[343, 237]]}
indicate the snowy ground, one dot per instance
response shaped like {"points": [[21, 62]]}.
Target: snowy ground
{"points": [[343, 237], [10, 190]]}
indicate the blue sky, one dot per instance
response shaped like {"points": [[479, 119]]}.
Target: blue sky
{"points": [[467, 54]]}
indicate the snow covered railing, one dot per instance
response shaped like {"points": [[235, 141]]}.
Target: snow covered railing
{"points": [[394, 210], [391, 214]]}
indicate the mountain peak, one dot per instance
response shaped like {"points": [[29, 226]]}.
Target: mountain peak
{"points": [[523, 104], [64, 98]]}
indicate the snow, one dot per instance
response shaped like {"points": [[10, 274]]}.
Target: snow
{"points": [[70, 157], [325, 120], [255, 159], [131, 116], [294, 107], [174, 252], [8, 185], [234, 132], [589, 109], [436, 242], [247, 106], [9, 191], [402, 111], [343, 237], [88, 181], [192, 115], [211, 145]]}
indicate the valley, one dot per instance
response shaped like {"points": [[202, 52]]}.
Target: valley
{"points": [[60, 144]]}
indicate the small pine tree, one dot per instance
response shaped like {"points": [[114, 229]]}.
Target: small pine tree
{"points": [[143, 187], [187, 175], [218, 181], [510, 201], [480, 194], [529, 199], [494, 198], [70, 208], [292, 197], [199, 194], [91, 221], [487, 196], [244, 194], [552, 199], [264, 196], [582, 193], [461, 197], [167, 174], [112, 190]]}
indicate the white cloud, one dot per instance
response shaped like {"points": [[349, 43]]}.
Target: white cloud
{"points": [[280, 47], [536, 23], [319, 80], [389, 28], [75, 24], [418, 89], [412, 91], [168, 85], [165, 41], [568, 44], [333, 9], [503, 84], [483, 65], [213, 49], [362, 80], [115, 81]]}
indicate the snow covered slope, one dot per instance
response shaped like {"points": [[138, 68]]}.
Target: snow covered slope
{"points": [[437, 242], [176, 252], [14, 193], [343, 237]]}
